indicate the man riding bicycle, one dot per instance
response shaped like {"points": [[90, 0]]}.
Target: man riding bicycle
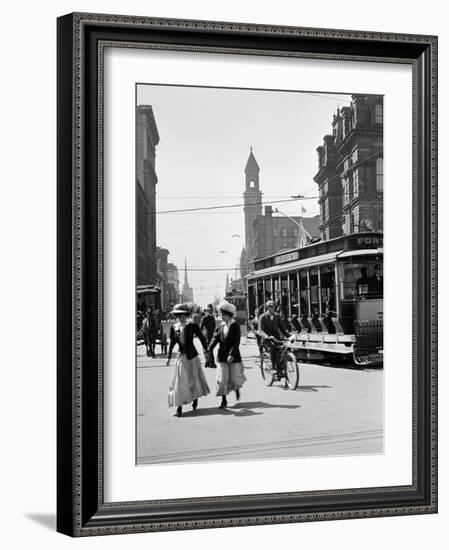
{"points": [[271, 327]]}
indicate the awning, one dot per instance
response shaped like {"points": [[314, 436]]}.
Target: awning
{"points": [[148, 289]]}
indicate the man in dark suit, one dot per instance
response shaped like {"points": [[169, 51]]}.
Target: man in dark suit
{"points": [[376, 282], [272, 327], [207, 326]]}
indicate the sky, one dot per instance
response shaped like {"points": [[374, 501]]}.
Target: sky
{"points": [[205, 140]]}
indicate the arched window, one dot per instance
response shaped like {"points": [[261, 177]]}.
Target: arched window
{"points": [[380, 174], [378, 114], [252, 184]]}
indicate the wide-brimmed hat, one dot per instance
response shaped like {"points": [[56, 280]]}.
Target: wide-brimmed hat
{"points": [[227, 307], [270, 303], [184, 308]]}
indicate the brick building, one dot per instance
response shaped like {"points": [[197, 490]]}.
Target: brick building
{"points": [[265, 232], [147, 140], [350, 169], [276, 232]]}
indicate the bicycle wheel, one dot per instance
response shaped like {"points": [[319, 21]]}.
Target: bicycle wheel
{"points": [[266, 368], [291, 371]]}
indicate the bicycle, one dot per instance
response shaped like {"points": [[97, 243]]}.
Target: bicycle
{"points": [[287, 365]]}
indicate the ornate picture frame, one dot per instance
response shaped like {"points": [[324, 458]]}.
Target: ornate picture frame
{"points": [[81, 508]]}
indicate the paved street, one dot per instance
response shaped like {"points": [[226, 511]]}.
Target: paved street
{"points": [[334, 411]]}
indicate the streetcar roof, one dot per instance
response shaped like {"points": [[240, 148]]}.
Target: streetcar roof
{"points": [[291, 266], [315, 260], [366, 252]]}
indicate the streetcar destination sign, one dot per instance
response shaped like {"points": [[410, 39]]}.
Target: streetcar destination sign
{"points": [[289, 257]]}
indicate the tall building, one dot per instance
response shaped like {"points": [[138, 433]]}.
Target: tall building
{"points": [[147, 140], [162, 274], [173, 293], [252, 200], [187, 290], [350, 169], [266, 233]]}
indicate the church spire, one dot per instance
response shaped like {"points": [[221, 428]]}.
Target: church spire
{"points": [[187, 290], [186, 281]]}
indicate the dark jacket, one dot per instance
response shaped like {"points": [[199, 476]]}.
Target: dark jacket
{"points": [[272, 326], [190, 331], [208, 323], [229, 344]]}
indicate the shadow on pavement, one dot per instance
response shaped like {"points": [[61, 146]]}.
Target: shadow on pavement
{"points": [[239, 409], [311, 388], [211, 411], [263, 405]]}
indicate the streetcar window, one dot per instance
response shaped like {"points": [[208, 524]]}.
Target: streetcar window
{"points": [[251, 300], [284, 302], [293, 294], [327, 273], [268, 290], [260, 296], [361, 279], [314, 289], [304, 295]]}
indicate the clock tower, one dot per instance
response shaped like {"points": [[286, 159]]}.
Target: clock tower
{"points": [[252, 199]]}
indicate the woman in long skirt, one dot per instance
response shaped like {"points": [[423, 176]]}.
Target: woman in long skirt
{"points": [[188, 382], [230, 376]]}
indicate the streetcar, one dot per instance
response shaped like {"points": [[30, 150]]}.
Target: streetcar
{"points": [[330, 294]]}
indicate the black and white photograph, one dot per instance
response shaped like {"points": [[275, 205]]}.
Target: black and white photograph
{"points": [[259, 274]]}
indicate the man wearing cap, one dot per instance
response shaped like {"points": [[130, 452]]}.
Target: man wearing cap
{"points": [[272, 327]]}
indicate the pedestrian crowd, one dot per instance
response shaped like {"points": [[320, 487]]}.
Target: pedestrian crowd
{"points": [[188, 382]]}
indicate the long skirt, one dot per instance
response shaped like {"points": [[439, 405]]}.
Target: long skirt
{"points": [[188, 382], [230, 377]]}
